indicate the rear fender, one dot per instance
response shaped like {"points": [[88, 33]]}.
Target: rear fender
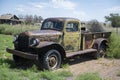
{"points": [[98, 43]]}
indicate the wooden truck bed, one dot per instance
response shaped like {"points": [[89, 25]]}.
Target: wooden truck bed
{"points": [[88, 38]]}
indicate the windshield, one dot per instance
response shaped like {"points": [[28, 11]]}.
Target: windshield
{"points": [[52, 25]]}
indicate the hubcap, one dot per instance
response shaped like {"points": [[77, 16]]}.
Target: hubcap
{"points": [[52, 61]]}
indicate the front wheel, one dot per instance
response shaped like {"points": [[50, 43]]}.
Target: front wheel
{"points": [[50, 60]]}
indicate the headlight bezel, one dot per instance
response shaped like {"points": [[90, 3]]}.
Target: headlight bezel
{"points": [[15, 38], [33, 42]]}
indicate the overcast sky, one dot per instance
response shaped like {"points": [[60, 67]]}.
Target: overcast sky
{"points": [[82, 9]]}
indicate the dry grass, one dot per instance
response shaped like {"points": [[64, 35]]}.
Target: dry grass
{"points": [[16, 29], [116, 30]]}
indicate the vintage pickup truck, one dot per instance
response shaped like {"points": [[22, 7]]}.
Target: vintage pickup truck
{"points": [[58, 39]]}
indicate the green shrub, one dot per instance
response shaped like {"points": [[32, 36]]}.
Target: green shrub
{"points": [[113, 50], [65, 73], [6, 74], [88, 76], [65, 66], [20, 74], [57, 75], [49, 75]]}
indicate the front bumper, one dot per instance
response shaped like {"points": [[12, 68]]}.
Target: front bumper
{"points": [[23, 54]]}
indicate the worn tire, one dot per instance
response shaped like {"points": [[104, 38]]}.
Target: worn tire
{"points": [[50, 60], [101, 51]]}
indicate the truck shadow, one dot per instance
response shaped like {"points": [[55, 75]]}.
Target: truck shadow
{"points": [[11, 64], [70, 61], [78, 59]]}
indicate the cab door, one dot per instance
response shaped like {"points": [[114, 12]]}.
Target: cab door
{"points": [[72, 36]]}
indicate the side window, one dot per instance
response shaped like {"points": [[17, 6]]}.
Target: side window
{"points": [[72, 27]]}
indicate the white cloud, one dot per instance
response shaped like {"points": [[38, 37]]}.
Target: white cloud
{"points": [[82, 15], [65, 4], [38, 5], [61, 4], [51, 4], [79, 13], [53, 8], [114, 9], [20, 8]]}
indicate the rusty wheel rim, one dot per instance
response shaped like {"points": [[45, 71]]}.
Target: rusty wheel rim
{"points": [[52, 61], [102, 53]]}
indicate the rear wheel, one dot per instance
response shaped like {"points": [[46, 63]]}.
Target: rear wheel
{"points": [[101, 51], [50, 60]]}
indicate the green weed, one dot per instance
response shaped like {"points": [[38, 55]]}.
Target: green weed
{"points": [[65, 66], [5, 41], [88, 76], [65, 73], [114, 46]]}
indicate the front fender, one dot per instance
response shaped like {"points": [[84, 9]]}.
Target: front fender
{"points": [[49, 45], [44, 44]]}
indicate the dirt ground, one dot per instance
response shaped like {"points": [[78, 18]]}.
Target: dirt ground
{"points": [[107, 68]]}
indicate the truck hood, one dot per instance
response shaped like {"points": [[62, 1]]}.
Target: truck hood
{"points": [[44, 35]]}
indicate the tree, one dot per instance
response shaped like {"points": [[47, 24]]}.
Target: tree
{"points": [[35, 19], [40, 19], [114, 18], [29, 19], [94, 26]]}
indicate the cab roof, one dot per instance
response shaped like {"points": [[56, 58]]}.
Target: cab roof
{"points": [[62, 18]]}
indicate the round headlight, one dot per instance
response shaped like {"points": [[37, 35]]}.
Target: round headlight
{"points": [[34, 42]]}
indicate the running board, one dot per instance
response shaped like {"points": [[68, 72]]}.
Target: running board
{"points": [[71, 54]]}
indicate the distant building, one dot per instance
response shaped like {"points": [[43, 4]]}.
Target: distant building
{"points": [[9, 19]]}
